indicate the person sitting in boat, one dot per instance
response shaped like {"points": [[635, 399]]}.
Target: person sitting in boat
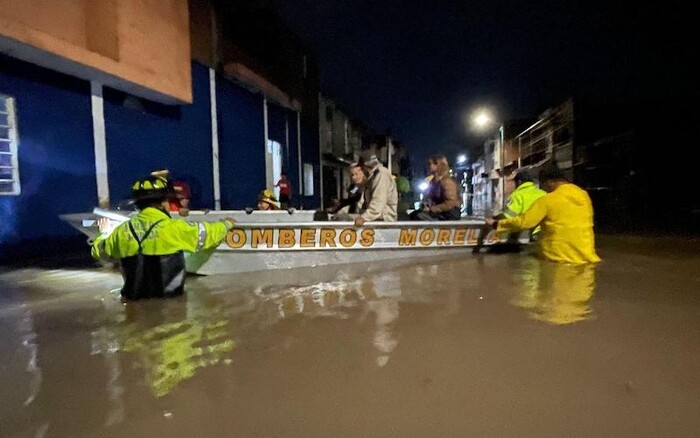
{"points": [[267, 201], [441, 199], [180, 202], [349, 208], [150, 245], [180, 194], [380, 197]]}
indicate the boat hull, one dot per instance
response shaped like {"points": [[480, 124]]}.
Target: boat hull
{"points": [[259, 247], [279, 240]]}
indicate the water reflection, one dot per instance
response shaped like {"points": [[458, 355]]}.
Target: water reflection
{"points": [[424, 338], [378, 295], [172, 339], [555, 293]]}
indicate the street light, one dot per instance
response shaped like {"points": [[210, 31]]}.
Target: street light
{"points": [[482, 119], [461, 159]]}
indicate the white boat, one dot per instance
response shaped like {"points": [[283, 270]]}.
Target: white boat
{"points": [[86, 222], [264, 240]]}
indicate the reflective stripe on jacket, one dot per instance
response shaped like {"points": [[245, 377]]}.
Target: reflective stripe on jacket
{"points": [[150, 250], [168, 237]]}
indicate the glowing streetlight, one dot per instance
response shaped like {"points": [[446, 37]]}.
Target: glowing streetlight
{"points": [[461, 159], [482, 119]]}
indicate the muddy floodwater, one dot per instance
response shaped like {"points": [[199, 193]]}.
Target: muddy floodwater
{"points": [[476, 345]]}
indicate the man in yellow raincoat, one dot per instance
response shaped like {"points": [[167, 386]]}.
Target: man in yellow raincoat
{"points": [[150, 246], [566, 216]]}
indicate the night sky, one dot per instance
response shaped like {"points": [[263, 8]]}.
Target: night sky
{"points": [[419, 68]]}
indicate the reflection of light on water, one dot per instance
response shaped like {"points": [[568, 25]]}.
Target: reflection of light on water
{"points": [[65, 278], [387, 288], [173, 352], [387, 311], [170, 352], [387, 284], [381, 292], [321, 299], [26, 327], [105, 343], [556, 293]]}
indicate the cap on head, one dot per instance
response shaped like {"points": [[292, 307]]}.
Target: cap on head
{"points": [[368, 158]]}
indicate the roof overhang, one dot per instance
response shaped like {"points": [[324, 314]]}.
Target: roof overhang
{"points": [[256, 83]]}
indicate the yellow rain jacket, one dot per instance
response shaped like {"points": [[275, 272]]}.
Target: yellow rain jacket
{"points": [[167, 237], [522, 199], [566, 217], [150, 248]]}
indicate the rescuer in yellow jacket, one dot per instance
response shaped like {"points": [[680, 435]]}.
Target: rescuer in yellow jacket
{"points": [[150, 245], [524, 195], [522, 198], [566, 216]]}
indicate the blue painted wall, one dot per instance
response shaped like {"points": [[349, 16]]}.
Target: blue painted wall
{"points": [[241, 145], [56, 152], [276, 121], [143, 136], [292, 165]]}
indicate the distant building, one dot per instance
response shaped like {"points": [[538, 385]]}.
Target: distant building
{"points": [[631, 158], [340, 140]]}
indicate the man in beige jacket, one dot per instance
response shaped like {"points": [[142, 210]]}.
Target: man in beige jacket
{"points": [[380, 194]]}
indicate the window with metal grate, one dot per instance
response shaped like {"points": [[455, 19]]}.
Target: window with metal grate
{"points": [[9, 139]]}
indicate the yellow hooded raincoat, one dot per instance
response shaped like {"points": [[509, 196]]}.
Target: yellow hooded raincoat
{"points": [[566, 217]]}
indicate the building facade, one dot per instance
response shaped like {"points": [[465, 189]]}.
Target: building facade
{"points": [[89, 103], [617, 152]]}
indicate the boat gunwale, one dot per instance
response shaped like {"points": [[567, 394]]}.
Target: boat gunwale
{"points": [[334, 224]]}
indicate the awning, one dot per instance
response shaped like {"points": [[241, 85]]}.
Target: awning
{"points": [[251, 80]]}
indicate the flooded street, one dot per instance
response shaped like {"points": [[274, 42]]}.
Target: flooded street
{"points": [[475, 345]]}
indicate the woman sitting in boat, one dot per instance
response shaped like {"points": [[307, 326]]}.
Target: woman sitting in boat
{"points": [[441, 200], [349, 207], [268, 201]]}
